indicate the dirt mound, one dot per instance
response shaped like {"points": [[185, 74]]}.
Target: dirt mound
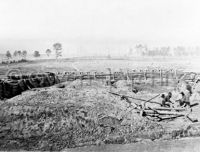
{"points": [[55, 118]]}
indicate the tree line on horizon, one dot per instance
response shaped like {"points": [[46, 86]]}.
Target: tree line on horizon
{"points": [[144, 50], [22, 55]]}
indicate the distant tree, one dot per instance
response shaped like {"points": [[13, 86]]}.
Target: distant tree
{"points": [[15, 53], [36, 54], [48, 52], [164, 51], [19, 53], [24, 54], [57, 47], [180, 51], [196, 51], [130, 51], [8, 55], [141, 49]]}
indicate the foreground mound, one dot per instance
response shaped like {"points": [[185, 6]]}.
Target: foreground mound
{"points": [[55, 118]]}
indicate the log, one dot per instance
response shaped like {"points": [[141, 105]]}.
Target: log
{"points": [[136, 98], [169, 113], [151, 99], [163, 112], [159, 118], [170, 109], [167, 118], [149, 114], [194, 104], [16, 90], [35, 82], [28, 84], [1, 90], [22, 85], [192, 119], [7, 88]]}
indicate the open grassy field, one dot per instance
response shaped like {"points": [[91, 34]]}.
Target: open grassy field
{"points": [[82, 64]]}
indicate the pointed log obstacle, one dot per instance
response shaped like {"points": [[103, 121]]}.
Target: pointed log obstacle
{"points": [[158, 113]]}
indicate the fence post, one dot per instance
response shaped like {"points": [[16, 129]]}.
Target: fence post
{"points": [[127, 77], [110, 78], [152, 77], [88, 74], [167, 78], [145, 77], [102, 77], [94, 76], [81, 75], [161, 77], [175, 72], [132, 81]]}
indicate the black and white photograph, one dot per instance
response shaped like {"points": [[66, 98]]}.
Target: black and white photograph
{"points": [[100, 75]]}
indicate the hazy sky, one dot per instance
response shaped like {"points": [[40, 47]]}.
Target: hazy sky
{"points": [[88, 24]]}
